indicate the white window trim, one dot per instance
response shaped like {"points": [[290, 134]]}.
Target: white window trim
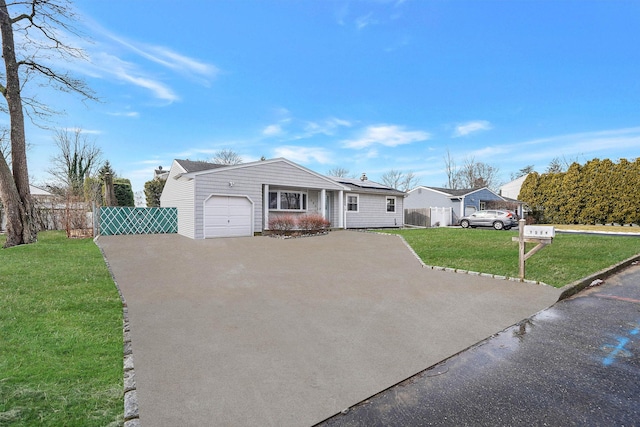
{"points": [[303, 196], [395, 204], [346, 206]]}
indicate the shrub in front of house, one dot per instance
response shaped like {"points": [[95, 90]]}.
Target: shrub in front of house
{"points": [[313, 223], [292, 225], [282, 224]]}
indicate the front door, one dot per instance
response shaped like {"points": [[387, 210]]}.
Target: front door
{"points": [[328, 205]]}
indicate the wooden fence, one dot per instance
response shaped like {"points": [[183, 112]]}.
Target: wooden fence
{"points": [[417, 217]]}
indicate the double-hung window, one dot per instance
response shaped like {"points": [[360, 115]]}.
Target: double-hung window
{"points": [[352, 202], [391, 204], [288, 200]]}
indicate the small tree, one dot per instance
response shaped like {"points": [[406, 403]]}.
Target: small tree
{"points": [[153, 191], [123, 192]]}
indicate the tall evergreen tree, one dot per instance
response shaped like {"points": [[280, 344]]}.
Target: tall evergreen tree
{"points": [[572, 189]]}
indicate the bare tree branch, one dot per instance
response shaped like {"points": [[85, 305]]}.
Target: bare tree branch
{"points": [[77, 159], [226, 157]]}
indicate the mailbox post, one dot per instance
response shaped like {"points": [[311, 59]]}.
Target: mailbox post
{"points": [[541, 234]]}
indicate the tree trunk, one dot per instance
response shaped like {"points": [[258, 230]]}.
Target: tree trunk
{"points": [[21, 210], [12, 205]]}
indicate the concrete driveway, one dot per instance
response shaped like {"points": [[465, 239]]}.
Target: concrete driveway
{"points": [[260, 331]]}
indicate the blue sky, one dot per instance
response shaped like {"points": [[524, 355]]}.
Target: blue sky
{"points": [[368, 86]]}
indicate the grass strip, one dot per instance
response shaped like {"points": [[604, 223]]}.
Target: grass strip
{"points": [[569, 258], [60, 335]]}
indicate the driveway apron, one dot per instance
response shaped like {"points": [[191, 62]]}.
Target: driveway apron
{"points": [[259, 331]]}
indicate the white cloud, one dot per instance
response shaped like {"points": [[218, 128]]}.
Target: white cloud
{"points": [[106, 59], [327, 127], [133, 114], [176, 61], [159, 90], [604, 144], [164, 56], [365, 21], [272, 130], [387, 135], [303, 154], [85, 131], [106, 65], [342, 13], [464, 129]]}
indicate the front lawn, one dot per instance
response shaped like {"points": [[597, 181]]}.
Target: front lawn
{"points": [[569, 258], [60, 335]]}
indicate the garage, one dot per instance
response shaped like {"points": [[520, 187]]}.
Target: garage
{"points": [[228, 216]]}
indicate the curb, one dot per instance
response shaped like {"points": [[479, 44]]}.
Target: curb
{"points": [[577, 286], [131, 407]]}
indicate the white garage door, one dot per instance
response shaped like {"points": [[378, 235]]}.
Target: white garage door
{"points": [[227, 216]]}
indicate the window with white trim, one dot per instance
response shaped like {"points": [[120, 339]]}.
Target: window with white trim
{"points": [[353, 202], [391, 204], [287, 200]]}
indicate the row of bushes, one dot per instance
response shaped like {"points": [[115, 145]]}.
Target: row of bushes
{"points": [[309, 223], [598, 192]]}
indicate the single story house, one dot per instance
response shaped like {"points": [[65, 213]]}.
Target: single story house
{"points": [[457, 203], [238, 200]]}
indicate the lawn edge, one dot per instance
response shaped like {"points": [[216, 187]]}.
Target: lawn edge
{"points": [[131, 408], [580, 284], [459, 270]]}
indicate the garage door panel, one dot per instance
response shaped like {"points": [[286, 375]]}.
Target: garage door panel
{"points": [[228, 216]]}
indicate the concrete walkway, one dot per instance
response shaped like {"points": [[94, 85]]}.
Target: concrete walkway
{"points": [[260, 331]]}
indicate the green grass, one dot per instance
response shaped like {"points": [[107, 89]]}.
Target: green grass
{"points": [[569, 258], [60, 335]]}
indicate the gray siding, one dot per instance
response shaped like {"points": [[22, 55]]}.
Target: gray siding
{"points": [[372, 212], [424, 198], [248, 181], [179, 193]]}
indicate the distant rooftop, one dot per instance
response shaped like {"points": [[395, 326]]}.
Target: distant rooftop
{"points": [[197, 165]]}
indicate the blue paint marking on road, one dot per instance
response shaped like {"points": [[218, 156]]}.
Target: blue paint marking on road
{"points": [[622, 341], [619, 349]]}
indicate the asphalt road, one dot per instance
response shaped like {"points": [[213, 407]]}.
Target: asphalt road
{"points": [[576, 363]]}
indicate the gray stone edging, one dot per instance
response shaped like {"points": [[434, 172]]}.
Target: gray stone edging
{"points": [[131, 407], [566, 291], [459, 270]]}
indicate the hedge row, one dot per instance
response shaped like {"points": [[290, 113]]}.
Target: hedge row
{"points": [[312, 223], [598, 192]]}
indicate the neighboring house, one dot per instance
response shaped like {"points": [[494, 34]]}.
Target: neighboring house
{"points": [[40, 198], [161, 174], [460, 202], [511, 189], [238, 200]]}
